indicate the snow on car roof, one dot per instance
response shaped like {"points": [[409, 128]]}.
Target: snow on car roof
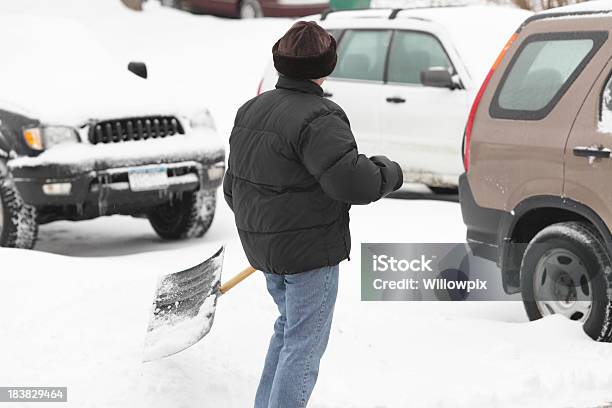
{"points": [[594, 6]]}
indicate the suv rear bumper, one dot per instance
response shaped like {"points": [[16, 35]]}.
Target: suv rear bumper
{"points": [[482, 223]]}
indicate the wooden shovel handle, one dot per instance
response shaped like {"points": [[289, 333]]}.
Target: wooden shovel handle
{"points": [[236, 280]]}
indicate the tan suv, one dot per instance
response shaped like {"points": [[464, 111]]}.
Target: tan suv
{"points": [[536, 194]]}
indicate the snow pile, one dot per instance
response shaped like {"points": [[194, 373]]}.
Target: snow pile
{"points": [[85, 318]]}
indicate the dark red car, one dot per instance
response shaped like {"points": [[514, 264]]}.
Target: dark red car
{"points": [[255, 8]]}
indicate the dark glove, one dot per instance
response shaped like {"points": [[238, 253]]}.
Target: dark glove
{"points": [[392, 174]]}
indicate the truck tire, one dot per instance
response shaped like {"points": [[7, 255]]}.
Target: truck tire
{"points": [[567, 267], [188, 216], [18, 226], [250, 9]]}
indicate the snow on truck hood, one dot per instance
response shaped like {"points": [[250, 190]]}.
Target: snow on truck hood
{"points": [[82, 157], [57, 71]]}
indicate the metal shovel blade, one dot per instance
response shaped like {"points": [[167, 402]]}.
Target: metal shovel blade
{"points": [[183, 308]]}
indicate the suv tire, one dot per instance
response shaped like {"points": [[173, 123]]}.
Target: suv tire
{"points": [[18, 226], [569, 259], [250, 9], [188, 216]]}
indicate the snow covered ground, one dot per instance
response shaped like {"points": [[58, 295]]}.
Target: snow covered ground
{"points": [[75, 310]]}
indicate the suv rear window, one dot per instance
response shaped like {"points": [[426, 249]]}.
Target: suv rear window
{"points": [[541, 71]]}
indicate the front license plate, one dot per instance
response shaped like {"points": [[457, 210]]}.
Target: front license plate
{"points": [[148, 178]]}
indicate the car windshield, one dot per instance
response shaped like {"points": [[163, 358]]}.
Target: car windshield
{"points": [[52, 65], [49, 46], [40, 52]]}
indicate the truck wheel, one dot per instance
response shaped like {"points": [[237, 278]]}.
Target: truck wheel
{"points": [[566, 270], [188, 216], [250, 9], [18, 226]]}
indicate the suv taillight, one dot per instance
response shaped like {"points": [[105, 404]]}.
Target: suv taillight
{"points": [[470, 122]]}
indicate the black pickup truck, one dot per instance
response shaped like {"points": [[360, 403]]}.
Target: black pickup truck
{"points": [[82, 137]]}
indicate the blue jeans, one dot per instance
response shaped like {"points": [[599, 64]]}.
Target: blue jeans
{"points": [[306, 305]]}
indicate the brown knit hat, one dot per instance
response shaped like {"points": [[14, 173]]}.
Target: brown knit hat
{"points": [[306, 51]]}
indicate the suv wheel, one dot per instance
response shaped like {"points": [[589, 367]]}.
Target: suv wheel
{"points": [[188, 216], [566, 270], [250, 9], [18, 226]]}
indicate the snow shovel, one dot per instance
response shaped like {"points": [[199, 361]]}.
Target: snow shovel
{"points": [[184, 307]]}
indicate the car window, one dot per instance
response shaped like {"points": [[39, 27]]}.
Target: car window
{"points": [[413, 52], [605, 119], [541, 71], [362, 55]]}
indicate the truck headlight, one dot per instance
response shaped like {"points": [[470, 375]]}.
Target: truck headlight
{"points": [[202, 119], [44, 137]]}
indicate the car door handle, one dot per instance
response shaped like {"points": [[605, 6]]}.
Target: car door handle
{"points": [[592, 152], [396, 99], [327, 94]]}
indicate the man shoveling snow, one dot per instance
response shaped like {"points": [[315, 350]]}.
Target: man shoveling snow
{"points": [[294, 171]]}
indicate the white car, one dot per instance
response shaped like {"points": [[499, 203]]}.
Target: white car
{"points": [[406, 79]]}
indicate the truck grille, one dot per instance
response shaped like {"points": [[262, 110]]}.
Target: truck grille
{"points": [[145, 127]]}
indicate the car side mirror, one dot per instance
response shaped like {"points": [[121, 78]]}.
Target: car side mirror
{"points": [[438, 77], [138, 68]]}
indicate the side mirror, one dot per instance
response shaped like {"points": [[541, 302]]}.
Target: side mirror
{"points": [[138, 68], [438, 77]]}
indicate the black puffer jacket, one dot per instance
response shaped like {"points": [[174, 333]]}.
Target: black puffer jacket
{"points": [[292, 175]]}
